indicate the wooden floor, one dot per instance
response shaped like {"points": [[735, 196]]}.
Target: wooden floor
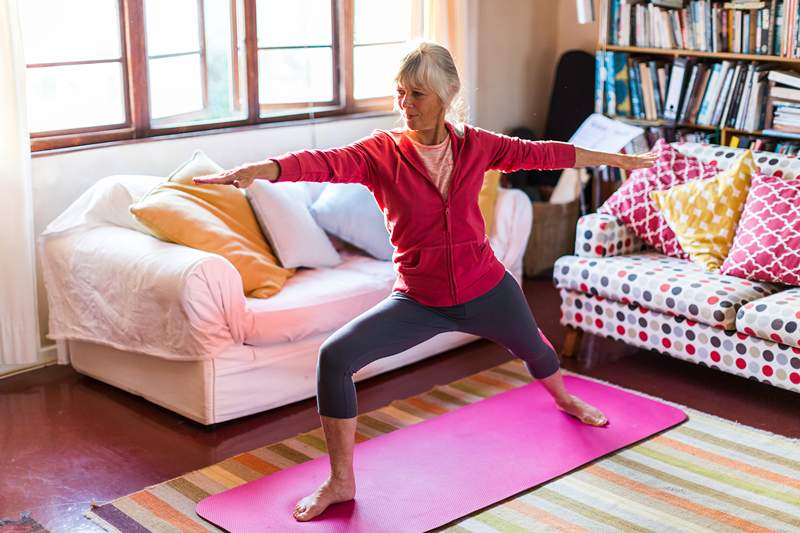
{"points": [[66, 439]]}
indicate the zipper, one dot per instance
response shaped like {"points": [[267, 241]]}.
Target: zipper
{"points": [[451, 277]]}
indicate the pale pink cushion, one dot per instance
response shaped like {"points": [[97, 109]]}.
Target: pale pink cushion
{"points": [[766, 246], [632, 205]]}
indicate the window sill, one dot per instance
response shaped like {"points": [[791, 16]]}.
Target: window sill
{"points": [[213, 131]]}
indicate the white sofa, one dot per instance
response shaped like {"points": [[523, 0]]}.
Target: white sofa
{"points": [[171, 324]]}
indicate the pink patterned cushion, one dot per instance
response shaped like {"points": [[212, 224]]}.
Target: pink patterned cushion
{"points": [[766, 246], [631, 203]]}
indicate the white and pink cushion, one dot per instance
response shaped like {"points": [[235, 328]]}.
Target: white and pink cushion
{"points": [[632, 204], [766, 246]]}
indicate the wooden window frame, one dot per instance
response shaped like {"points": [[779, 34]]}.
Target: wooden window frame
{"points": [[135, 79]]}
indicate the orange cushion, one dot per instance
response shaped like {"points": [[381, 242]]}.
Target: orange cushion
{"points": [[213, 218]]}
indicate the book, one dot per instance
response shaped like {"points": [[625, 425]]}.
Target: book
{"points": [[723, 95], [675, 88], [599, 80], [687, 97], [710, 95], [744, 5], [786, 93], [771, 14], [700, 92], [620, 75]]}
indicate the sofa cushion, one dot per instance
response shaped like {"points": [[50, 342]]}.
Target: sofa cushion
{"points": [[213, 218], [666, 284], [282, 212], [774, 318], [349, 211], [767, 242], [319, 300], [703, 214], [631, 203]]}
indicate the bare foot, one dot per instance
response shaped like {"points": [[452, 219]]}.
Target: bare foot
{"points": [[332, 491], [583, 411]]}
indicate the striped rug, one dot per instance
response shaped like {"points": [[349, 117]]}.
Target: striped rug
{"points": [[708, 474]]}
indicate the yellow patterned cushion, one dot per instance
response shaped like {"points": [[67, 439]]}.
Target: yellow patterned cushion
{"points": [[488, 197], [213, 218], [704, 213]]}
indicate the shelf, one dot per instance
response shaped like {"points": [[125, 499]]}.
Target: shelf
{"points": [[725, 132], [697, 53], [667, 123]]}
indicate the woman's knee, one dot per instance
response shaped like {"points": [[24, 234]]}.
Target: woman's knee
{"points": [[335, 356]]}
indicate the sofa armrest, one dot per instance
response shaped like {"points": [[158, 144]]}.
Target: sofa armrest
{"points": [[116, 286], [513, 216], [601, 235]]}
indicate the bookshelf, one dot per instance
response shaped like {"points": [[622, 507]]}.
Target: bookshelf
{"points": [[724, 37]]}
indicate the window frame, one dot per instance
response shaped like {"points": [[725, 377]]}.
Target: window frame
{"points": [[134, 57]]}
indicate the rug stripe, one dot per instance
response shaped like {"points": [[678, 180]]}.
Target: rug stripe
{"points": [[494, 520], [204, 482], [739, 447], [188, 489], [430, 408], [143, 515], [501, 386], [297, 444], [473, 390], [642, 511], [682, 482], [448, 398], [590, 512], [223, 477], [256, 464], [541, 515], [289, 453], [731, 453], [761, 473], [741, 483], [178, 503], [573, 517], [597, 498], [674, 503], [119, 519], [412, 409], [407, 418], [376, 424], [161, 509]]}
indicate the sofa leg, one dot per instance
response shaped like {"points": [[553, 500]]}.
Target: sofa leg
{"points": [[572, 342]]}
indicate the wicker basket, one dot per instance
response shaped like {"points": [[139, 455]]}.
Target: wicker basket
{"points": [[552, 235]]}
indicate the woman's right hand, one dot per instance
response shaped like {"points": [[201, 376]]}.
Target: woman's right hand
{"points": [[241, 177]]}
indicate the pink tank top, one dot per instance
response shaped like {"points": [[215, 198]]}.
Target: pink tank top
{"points": [[438, 160]]}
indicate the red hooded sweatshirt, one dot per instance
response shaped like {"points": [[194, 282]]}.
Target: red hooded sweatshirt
{"points": [[442, 254]]}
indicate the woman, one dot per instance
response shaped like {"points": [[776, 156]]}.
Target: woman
{"points": [[426, 178]]}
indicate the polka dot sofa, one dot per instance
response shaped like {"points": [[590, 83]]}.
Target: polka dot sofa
{"points": [[618, 287]]}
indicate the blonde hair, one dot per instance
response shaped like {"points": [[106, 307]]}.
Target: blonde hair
{"points": [[429, 65]]}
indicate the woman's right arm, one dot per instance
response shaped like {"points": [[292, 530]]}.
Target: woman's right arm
{"points": [[348, 164]]}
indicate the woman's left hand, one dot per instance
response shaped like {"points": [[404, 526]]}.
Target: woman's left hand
{"points": [[632, 162]]}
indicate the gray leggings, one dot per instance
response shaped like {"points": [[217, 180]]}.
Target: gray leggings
{"points": [[398, 323]]}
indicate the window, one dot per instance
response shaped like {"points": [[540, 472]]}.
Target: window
{"points": [[102, 70], [75, 75]]}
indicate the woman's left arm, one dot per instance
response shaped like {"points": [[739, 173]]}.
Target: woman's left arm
{"points": [[511, 153], [593, 158]]}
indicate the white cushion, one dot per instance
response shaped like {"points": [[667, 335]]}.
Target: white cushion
{"points": [[349, 211], [106, 203], [282, 212]]}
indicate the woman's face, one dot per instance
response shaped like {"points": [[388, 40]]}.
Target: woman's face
{"points": [[422, 109]]}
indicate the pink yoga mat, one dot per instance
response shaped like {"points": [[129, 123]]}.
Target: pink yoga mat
{"points": [[426, 475]]}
